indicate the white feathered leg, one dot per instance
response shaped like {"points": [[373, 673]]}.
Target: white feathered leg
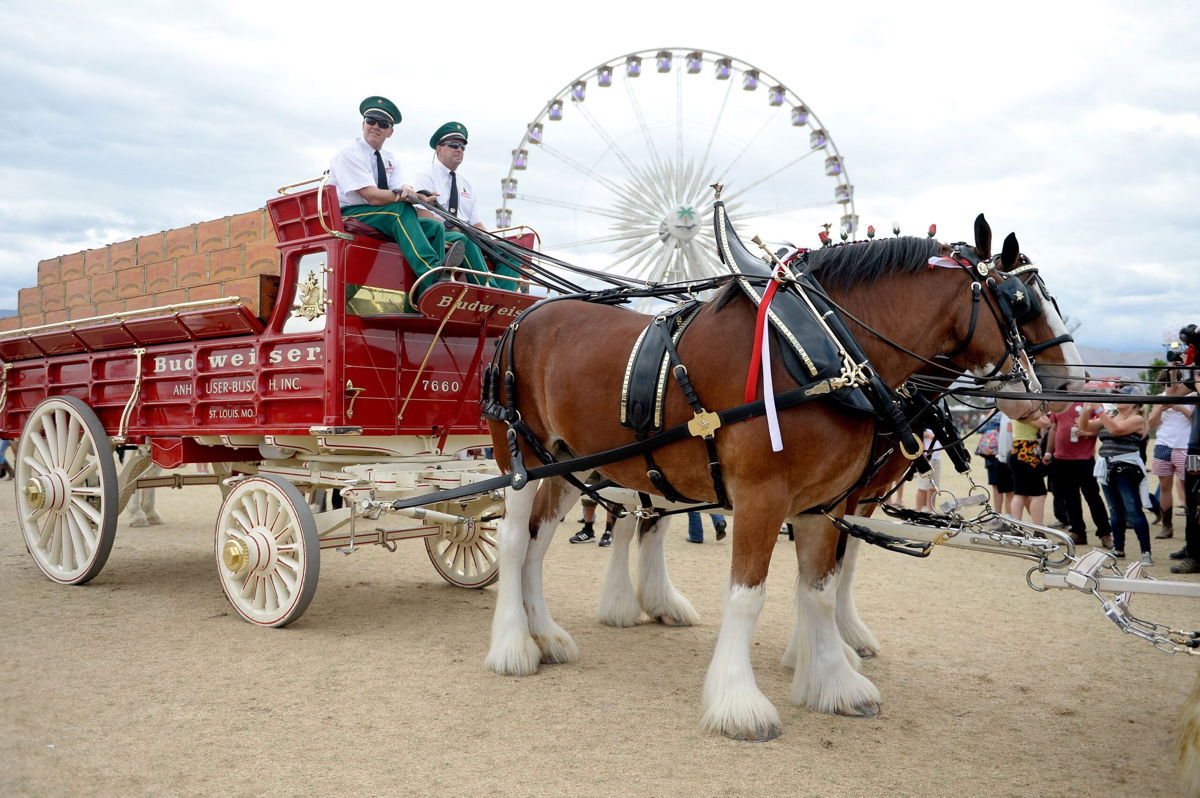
{"points": [[657, 595], [733, 704], [853, 630], [618, 601], [555, 644], [513, 651], [825, 678], [141, 505]]}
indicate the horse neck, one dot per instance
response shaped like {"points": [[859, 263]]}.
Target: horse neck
{"points": [[927, 313]]}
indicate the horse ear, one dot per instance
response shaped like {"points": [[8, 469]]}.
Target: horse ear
{"points": [[983, 238], [1010, 253]]}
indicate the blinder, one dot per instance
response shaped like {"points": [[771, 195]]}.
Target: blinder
{"points": [[1017, 300]]}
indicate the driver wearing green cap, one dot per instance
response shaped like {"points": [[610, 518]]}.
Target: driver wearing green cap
{"points": [[371, 188], [444, 179]]}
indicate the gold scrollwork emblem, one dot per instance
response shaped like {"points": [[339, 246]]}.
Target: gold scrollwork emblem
{"points": [[311, 298]]}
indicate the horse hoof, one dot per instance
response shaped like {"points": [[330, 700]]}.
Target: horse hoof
{"points": [[867, 709], [866, 653], [521, 658], [557, 649], [667, 620], [758, 735], [139, 524], [155, 521]]}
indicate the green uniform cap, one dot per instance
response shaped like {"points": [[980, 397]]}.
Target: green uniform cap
{"points": [[450, 130], [380, 108]]}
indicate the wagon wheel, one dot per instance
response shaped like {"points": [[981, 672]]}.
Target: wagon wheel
{"points": [[66, 490], [468, 556], [268, 553]]}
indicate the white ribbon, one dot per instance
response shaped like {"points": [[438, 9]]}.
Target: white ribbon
{"points": [[769, 393]]}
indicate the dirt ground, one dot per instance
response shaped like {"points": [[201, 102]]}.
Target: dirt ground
{"points": [[143, 682]]}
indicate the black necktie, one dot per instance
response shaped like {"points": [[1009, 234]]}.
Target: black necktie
{"points": [[453, 194], [381, 177]]}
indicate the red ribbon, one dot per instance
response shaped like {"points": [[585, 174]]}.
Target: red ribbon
{"points": [[760, 328]]}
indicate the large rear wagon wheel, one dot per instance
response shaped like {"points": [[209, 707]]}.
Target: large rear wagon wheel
{"points": [[66, 485], [467, 557], [268, 553]]}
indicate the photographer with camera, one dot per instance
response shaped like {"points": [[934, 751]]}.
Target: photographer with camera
{"points": [[1189, 555]]}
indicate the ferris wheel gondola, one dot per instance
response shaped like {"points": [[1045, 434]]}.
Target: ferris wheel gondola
{"points": [[615, 170]]}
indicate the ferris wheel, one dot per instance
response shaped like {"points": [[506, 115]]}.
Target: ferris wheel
{"points": [[615, 170]]}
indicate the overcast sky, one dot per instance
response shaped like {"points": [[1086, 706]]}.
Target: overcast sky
{"points": [[1075, 124]]}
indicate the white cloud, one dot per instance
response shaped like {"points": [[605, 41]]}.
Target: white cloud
{"points": [[1072, 123]]}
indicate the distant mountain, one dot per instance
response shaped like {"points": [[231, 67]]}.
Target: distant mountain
{"points": [[5, 313], [1107, 363]]}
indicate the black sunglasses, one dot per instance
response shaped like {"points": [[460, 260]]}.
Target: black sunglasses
{"points": [[378, 122], [455, 145]]}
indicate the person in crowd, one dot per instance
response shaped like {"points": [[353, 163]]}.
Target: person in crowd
{"points": [[999, 477], [1120, 468], [1071, 457], [1189, 555], [1173, 424], [371, 189], [444, 179], [1028, 469], [5, 469], [927, 483], [696, 526], [587, 532]]}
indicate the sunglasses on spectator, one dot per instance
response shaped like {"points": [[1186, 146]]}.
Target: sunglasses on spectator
{"points": [[378, 122], [455, 145]]}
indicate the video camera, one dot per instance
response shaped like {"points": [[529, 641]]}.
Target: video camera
{"points": [[1183, 351]]}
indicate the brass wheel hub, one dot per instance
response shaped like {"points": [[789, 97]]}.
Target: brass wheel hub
{"points": [[235, 554], [35, 494]]}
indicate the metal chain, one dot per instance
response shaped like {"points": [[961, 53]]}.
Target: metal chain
{"points": [[1001, 531]]}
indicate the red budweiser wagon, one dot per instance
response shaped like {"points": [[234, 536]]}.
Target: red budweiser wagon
{"points": [[325, 378]]}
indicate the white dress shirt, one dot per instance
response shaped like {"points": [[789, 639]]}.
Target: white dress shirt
{"points": [[437, 179], [354, 168]]}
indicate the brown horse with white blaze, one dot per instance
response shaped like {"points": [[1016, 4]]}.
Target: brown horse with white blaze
{"points": [[568, 362]]}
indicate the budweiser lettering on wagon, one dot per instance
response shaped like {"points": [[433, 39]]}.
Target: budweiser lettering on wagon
{"points": [[186, 363]]}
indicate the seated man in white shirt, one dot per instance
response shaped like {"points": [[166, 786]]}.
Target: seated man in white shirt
{"points": [[371, 188], [456, 194]]}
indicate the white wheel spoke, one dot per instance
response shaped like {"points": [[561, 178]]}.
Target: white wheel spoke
{"points": [[56, 540], [615, 148], [77, 530], [641, 119], [85, 507], [46, 530], [42, 444], [716, 125], [746, 149], [77, 449], [87, 527], [243, 520], [741, 189], [583, 170], [575, 206], [583, 242], [82, 476]]}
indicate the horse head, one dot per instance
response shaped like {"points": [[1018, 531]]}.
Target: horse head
{"points": [[1039, 352]]}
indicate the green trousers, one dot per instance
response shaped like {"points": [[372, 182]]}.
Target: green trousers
{"points": [[475, 258], [421, 241]]}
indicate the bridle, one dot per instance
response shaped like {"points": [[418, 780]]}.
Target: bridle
{"points": [[1014, 303]]}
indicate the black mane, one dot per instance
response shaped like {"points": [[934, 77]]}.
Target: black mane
{"points": [[839, 268]]}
